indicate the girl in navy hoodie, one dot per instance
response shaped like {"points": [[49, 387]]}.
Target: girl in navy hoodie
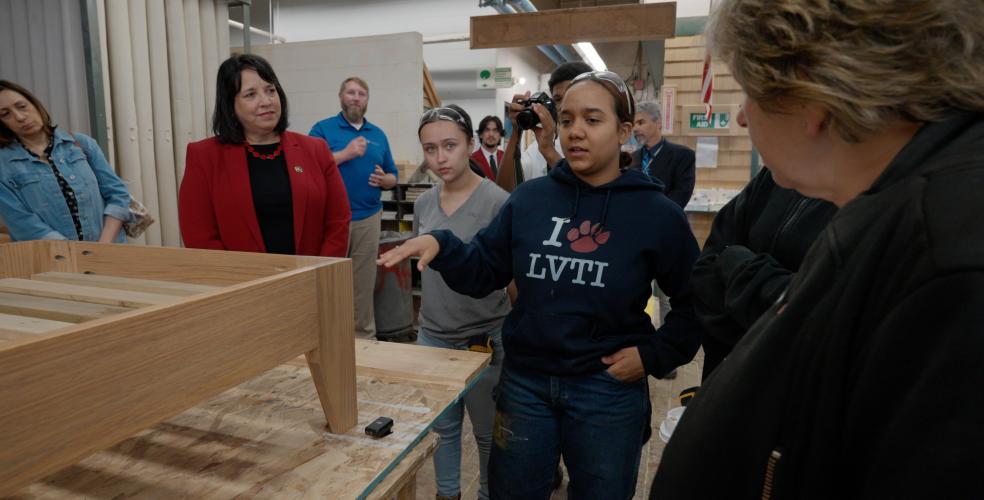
{"points": [[582, 245]]}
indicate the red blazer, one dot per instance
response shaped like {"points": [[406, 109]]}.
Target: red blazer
{"points": [[483, 161], [215, 203]]}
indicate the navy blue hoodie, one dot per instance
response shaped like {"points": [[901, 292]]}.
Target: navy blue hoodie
{"points": [[583, 258]]}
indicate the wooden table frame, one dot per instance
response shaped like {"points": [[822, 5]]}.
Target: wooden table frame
{"points": [[84, 387]]}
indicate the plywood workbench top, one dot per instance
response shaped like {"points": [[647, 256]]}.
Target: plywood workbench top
{"points": [[266, 439]]}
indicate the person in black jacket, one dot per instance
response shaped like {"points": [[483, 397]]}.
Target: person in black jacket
{"points": [[757, 242], [673, 164], [864, 379]]}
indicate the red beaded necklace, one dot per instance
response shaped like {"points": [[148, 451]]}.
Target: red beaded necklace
{"points": [[270, 156]]}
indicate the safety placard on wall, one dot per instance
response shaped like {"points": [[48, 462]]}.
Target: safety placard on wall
{"points": [[485, 78], [668, 103], [695, 121]]}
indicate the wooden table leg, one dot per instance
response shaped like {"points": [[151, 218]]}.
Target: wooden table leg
{"points": [[409, 490]]}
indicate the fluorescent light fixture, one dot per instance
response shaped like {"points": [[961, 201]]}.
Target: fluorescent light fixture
{"points": [[588, 52]]}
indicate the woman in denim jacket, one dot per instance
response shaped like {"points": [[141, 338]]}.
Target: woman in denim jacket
{"points": [[53, 185]]}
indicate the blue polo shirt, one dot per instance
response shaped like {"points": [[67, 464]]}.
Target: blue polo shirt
{"points": [[338, 132]]}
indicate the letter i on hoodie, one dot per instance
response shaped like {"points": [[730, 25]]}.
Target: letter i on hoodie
{"points": [[583, 258]]}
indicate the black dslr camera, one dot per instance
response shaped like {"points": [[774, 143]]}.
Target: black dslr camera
{"points": [[527, 118]]}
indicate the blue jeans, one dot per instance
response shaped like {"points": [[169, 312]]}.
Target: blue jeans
{"points": [[596, 422], [481, 411]]}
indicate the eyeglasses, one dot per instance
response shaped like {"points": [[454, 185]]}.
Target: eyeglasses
{"points": [[612, 78], [443, 113]]}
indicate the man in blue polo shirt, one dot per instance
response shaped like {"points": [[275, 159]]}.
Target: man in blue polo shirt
{"points": [[366, 163]]}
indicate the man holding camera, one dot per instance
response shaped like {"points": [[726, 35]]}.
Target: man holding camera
{"points": [[537, 159]]}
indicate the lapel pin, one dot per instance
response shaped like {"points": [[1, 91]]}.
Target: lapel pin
{"points": [[298, 169]]}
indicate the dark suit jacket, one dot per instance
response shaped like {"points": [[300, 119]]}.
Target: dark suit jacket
{"points": [[215, 203], [483, 161], [674, 166]]}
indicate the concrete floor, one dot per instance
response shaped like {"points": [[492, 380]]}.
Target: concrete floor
{"points": [[662, 393]]}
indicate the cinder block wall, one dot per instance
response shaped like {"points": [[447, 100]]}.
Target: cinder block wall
{"points": [[392, 65]]}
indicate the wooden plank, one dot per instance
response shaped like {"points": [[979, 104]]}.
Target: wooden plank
{"points": [[694, 54], [87, 294], [418, 364], [55, 309], [684, 42], [617, 23], [203, 267], [27, 324], [408, 491], [7, 336], [403, 479], [332, 363], [431, 96], [264, 439], [68, 395], [174, 288], [21, 259]]}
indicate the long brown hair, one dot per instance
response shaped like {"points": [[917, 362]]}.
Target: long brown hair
{"points": [[7, 136]]}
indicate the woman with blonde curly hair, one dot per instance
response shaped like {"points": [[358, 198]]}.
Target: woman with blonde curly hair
{"points": [[864, 379]]}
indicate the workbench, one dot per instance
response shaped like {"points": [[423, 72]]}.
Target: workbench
{"points": [[266, 437], [161, 372]]}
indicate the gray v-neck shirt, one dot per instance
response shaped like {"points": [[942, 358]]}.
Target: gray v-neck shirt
{"points": [[444, 313]]}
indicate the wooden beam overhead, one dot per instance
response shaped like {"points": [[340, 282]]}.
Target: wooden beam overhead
{"points": [[616, 23]]}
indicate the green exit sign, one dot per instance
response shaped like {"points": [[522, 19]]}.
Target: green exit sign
{"points": [[717, 121]]}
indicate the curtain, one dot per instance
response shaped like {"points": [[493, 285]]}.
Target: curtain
{"points": [[41, 50], [162, 57]]}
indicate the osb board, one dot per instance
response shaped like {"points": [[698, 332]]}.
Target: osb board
{"points": [[683, 67], [262, 439]]}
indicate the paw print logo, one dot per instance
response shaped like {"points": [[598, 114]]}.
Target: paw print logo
{"points": [[586, 238]]}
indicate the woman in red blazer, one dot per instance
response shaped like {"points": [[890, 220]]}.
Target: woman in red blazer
{"points": [[255, 187]]}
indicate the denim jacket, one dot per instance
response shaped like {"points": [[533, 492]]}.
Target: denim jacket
{"points": [[32, 204]]}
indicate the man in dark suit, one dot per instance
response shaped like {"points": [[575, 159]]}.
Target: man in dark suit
{"points": [[488, 156], [672, 164]]}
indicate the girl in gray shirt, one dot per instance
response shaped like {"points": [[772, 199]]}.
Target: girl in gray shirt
{"points": [[463, 203]]}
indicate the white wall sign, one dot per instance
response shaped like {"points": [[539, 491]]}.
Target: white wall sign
{"points": [[668, 103], [707, 152], [485, 78], [503, 78], [494, 78]]}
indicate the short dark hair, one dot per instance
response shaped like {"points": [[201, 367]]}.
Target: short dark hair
{"points": [[7, 136], [225, 124], [485, 121], [566, 72]]}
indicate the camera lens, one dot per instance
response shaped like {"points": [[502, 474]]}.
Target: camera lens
{"points": [[527, 119]]}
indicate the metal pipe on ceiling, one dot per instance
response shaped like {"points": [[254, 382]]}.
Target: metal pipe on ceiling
{"points": [[548, 50], [565, 51]]}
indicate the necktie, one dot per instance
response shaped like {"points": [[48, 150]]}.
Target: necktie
{"points": [[495, 169]]}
